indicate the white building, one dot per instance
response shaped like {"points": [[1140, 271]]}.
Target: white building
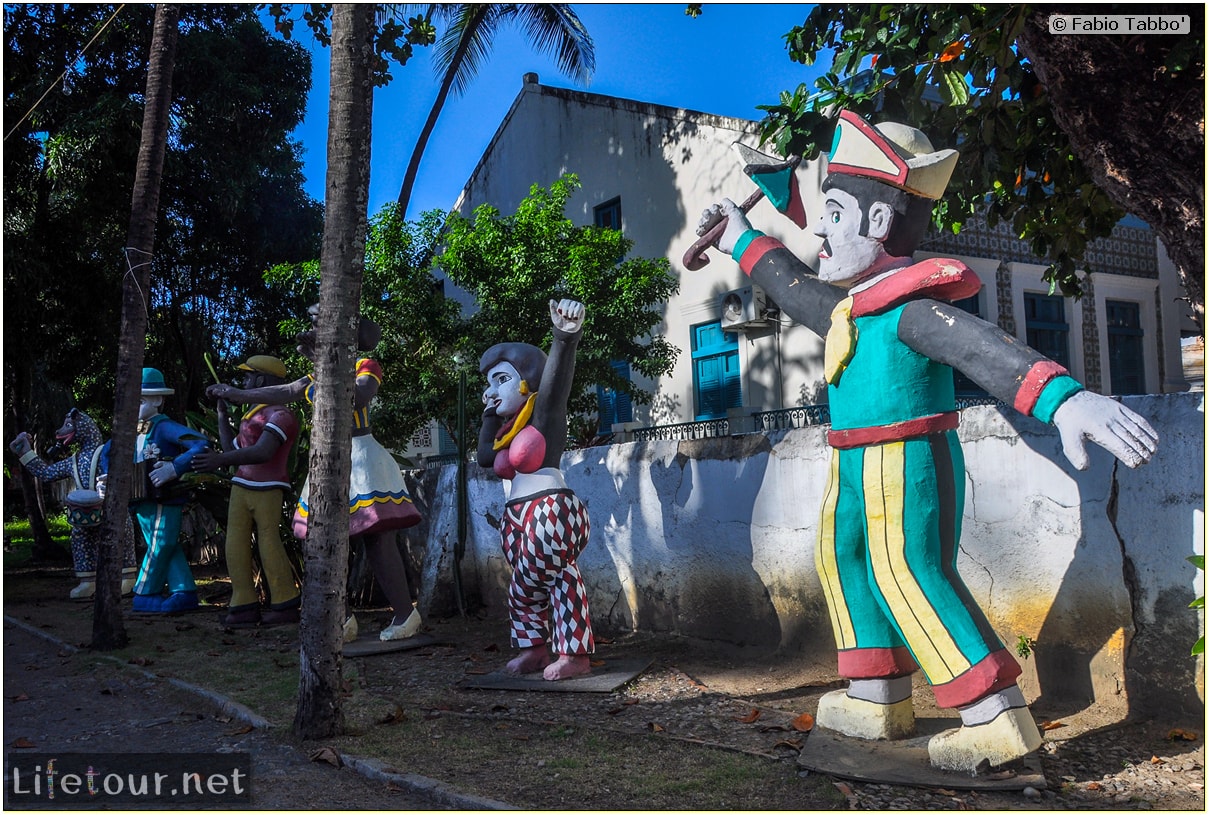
{"points": [[653, 169]]}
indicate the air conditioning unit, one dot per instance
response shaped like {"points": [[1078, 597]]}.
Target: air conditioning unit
{"points": [[744, 308]]}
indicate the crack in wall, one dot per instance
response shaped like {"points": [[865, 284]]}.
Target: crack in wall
{"points": [[1129, 572], [990, 577]]}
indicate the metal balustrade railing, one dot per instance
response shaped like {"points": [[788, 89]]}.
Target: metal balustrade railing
{"points": [[801, 416], [759, 421], [710, 428]]}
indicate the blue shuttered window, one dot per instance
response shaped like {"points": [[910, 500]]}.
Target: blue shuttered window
{"points": [[612, 405], [716, 380]]}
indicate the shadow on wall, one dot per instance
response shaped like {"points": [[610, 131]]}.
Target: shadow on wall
{"points": [[1126, 530], [679, 538]]}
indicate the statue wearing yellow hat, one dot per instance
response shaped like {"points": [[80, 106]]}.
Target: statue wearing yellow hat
{"points": [[887, 547], [260, 451]]}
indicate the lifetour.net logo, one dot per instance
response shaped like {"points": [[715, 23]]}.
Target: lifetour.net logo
{"points": [[101, 779]]}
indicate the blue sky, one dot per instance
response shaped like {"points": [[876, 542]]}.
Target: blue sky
{"points": [[726, 62]]}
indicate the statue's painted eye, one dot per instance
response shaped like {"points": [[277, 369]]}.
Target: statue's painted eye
{"points": [[835, 217]]}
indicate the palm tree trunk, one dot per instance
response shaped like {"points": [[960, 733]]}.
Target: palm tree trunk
{"points": [[417, 153], [107, 629], [319, 713]]}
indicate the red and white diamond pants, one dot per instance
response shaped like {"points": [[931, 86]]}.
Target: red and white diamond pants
{"points": [[542, 535]]}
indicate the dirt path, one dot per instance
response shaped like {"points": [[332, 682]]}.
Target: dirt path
{"points": [[50, 707]]}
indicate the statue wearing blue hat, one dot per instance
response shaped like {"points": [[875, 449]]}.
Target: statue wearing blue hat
{"points": [[163, 451]]}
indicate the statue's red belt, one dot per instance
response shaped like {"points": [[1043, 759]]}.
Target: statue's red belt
{"points": [[899, 431]]}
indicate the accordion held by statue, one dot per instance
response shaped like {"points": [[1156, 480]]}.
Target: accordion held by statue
{"points": [[142, 489]]}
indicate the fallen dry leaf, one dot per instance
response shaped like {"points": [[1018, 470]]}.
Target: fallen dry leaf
{"points": [[328, 756], [1052, 725], [394, 717], [596, 663], [804, 723], [657, 728], [492, 647], [20, 697], [1157, 760], [1093, 786], [750, 717], [1181, 735], [391, 786], [773, 728], [497, 708], [844, 789], [478, 671], [139, 661], [23, 743], [792, 744], [520, 737], [241, 730]]}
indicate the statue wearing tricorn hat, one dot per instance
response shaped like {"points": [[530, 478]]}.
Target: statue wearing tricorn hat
{"points": [[888, 534]]}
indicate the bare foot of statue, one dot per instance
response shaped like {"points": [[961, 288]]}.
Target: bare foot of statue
{"points": [[567, 666], [530, 660]]}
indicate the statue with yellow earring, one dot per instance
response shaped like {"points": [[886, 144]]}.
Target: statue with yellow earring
{"points": [[545, 525]]}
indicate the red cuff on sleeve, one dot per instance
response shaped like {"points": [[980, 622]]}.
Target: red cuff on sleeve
{"points": [[757, 249], [1034, 383]]}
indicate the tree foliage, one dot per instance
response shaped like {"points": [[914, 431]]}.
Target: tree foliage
{"points": [[514, 265], [396, 35], [511, 267], [231, 202], [973, 78]]}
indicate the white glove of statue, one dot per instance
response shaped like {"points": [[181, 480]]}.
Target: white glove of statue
{"points": [[162, 473], [21, 445], [567, 315], [102, 483], [1108, 423], [736, 223]]}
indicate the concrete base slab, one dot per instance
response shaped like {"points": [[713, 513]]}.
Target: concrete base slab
{"points": [[370, 645], [604, 678], [905, 761]]}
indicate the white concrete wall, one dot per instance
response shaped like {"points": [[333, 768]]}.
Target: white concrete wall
{"points": [[714, 539]]}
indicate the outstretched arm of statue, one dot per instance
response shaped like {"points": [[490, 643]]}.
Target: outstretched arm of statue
{"points": [[23, 447], [1014, 373], [268, 395]]}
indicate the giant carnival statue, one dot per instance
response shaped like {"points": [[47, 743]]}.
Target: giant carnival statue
{"points": [[545, 525], [163, 452], [378, 501], [260, 451], [888, 535], [83, 502]]}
